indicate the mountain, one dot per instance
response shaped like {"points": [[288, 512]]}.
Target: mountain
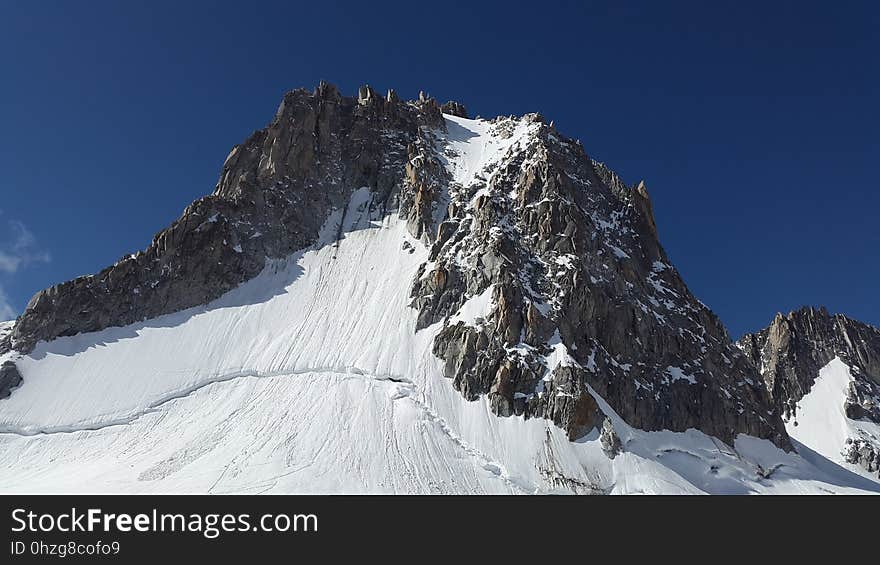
{"points": [[823, 375], [387, 296]]}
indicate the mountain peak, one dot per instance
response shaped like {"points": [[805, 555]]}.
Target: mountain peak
{"points": [[397, 267], [580, 299]]}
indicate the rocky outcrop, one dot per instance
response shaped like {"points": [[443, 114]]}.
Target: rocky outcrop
{"points": [[863, 453], [9, 378], [6, 335], [274, 192], [583, 297], [790, 352], [454, 109], [609, 440], [795, 347]]}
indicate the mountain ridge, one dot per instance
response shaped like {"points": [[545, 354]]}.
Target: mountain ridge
{"points": [[790, 354], [579, 299]]}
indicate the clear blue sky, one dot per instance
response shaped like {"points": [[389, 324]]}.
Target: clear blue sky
{"points": [[754, 124]]}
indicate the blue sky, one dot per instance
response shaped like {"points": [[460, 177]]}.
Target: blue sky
{"points": [[754, 125]]}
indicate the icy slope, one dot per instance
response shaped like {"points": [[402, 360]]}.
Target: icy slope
{"points": [[476, 146], [391, 425], [312, 378], [336, 308], [821, 425]]}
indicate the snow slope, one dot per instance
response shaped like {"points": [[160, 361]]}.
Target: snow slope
{"points": [[477, 144], [821, 424], [312, 378]]}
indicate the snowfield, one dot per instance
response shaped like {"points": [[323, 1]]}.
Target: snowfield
{"points": [[311, 378], [820, 425]]}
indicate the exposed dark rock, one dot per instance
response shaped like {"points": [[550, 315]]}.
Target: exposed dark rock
{"points": [[791, 351], [864, 453], [6, 336], [609, 440], [9, 378], [794, 348], [573, 261], [454, 109], [274, 192]]}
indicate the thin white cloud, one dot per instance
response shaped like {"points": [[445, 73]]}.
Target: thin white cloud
{"points": [[8, 263], [7, 312], [18, 249]]}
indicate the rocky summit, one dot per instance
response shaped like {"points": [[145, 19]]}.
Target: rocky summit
{"points": [[585, 301], [533, 274], [274, 192]]}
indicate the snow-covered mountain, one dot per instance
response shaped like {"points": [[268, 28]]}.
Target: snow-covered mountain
{"points": [[386, 296], [823, 374]]}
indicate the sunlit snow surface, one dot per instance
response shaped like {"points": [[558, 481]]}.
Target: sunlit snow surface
{"points": [[311, 378], [821, 427]]}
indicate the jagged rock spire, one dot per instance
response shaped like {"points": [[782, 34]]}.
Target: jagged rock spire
{"points": [[366, 94]]}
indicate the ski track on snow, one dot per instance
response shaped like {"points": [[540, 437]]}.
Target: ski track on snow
{"points": [[493, 467]]}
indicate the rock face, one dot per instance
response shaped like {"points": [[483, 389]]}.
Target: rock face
{"points": [[864, 453], [9, 378], [609, 440], [274, 192], [583, 298], [582, 302], [791, 351], [454, 108]]}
